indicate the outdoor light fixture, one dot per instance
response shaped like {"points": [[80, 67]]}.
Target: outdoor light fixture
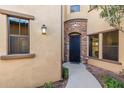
{"points": [[96, 43], [44, 29]]}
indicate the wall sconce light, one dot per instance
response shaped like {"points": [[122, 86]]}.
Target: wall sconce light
{"points": [[44, 29], [96, 43]]}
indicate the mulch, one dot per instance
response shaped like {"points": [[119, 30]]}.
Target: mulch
{"points": [[60, 84], [100, 72]]}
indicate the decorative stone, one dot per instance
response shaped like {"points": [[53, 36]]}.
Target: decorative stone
{"points": [[80, 26]]}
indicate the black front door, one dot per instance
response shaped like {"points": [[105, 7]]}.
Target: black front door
{"points": [[74, 52]]}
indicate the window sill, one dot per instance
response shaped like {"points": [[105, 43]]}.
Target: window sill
{"points": [[105, 60], [16, 56], [75, 12]]}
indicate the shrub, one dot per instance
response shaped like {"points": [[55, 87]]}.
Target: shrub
{"points": [[48, 85], [65, 73], [110, 82]]}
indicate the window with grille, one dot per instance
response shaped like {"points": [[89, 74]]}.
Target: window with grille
{"points": [[18, 35], [94, 45], [110, 45]]}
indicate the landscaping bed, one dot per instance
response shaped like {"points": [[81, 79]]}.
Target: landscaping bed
{"points": [[58, 84], [107, 78]]}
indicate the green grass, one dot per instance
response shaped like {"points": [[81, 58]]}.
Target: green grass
{"points": [[110, 82]]}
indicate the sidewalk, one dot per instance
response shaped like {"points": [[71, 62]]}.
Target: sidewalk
{"points": [[80, 77]]}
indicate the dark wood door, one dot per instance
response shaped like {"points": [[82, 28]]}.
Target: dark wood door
{"points": [[74, 52]]}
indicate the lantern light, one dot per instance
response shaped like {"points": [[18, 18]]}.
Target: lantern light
{"points": [[44, 29]]}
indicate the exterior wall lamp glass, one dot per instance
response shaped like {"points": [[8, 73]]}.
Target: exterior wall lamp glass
{"points": [[96, 43], [44, 29]]}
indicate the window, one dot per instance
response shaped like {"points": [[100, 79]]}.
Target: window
{"points": [[75, 8], [94, 45], [110, 45], [18, 35]]}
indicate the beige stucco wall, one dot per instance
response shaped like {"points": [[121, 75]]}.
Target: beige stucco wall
{"points": [[121, 45], [46, 66], [106, 65], [82, 14], [96, 24]]}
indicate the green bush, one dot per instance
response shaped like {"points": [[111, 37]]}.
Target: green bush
{"points": [[110, 82], [48, 85], [65, 73]]}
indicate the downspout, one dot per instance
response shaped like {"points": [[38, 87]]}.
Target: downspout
{"points": [[61, 40]]}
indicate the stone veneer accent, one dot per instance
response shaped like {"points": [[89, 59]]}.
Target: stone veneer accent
{"points": [[78, 26]]}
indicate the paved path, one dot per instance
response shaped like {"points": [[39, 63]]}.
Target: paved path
{"points": [[80, 77]]}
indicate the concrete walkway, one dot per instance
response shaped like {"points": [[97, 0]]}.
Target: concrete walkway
{"points": [[80, 77]]}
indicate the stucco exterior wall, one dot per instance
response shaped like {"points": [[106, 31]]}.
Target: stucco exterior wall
{"points": [[116, 68], [46, 66], [121, 47], [82, 14], [96, 24]]}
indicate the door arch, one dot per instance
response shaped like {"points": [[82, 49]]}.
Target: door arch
{"points": [[75, 26], [74, 47]]}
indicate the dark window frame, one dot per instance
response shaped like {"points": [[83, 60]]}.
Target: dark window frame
{"points": [[91, 47], [72, 6], [110, 46], [18, 35]]}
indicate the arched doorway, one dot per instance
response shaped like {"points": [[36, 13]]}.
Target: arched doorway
{"points": [[74, 47], [75, 30]]}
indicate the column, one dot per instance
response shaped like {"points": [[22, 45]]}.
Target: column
{"points": [[100, 45]]}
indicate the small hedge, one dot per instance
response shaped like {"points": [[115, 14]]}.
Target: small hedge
{"points": [[110, 82], [65, 73]]}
